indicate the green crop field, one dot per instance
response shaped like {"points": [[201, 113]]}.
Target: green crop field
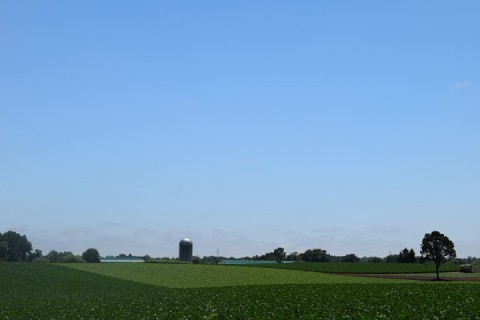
{"points": [[365, 268], [190, 276], [87, 291]]}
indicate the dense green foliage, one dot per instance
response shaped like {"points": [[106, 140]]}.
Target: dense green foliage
{"points": [[91, 255], [310, 255], [63, 257], [48, 291], [14, 247], [370, 268], [438, 248], [407, 256]]}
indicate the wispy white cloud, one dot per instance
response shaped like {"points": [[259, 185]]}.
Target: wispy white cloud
{"points": [[146, 233], [111, 224], [385, 229], [461, 85], [328, 230], [78, 232]]}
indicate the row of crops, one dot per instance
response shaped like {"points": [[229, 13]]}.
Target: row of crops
{"points": [[37, 291], [195, 276], [360, 268]]}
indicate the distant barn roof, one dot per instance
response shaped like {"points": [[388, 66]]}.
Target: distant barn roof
{"points": [[119, 259], [247, 261]]}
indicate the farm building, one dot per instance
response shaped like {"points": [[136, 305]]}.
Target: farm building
{"points": [[246, 261], [185, 250], [125, 259]]}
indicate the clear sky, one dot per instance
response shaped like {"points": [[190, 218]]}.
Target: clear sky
{"points": [[351, 126]]}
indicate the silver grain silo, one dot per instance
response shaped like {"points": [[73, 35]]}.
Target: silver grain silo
{"points": [[185, 250]]}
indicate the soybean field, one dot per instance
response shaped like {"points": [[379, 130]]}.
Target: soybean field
{"points": [[137, 291], [194, 276]]}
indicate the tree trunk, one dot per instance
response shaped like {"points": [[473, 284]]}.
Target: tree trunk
{"points": [[436, 269]]}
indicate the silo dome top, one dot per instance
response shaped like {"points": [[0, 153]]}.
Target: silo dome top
{"points": [[186, 241]]}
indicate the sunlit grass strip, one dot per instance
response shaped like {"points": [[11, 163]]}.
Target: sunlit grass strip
{"points": [[195, 276]]}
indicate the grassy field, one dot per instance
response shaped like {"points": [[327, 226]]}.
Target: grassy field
{"points": [[366, 268], [196, 276], [49, 291]]}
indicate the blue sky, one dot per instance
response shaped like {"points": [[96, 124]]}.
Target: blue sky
{"points": [[348, 126]]}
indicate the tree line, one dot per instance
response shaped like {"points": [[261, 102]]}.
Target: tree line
{"points": [[321, 255], [15, 247], [435, 247], [310, 255]]}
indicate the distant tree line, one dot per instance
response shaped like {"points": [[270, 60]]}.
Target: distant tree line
{"points": [[319, 255], [63, 257], [404, 256], [435, 247], [90, 255], [16, 248], [279, 254], [310, 255]]}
